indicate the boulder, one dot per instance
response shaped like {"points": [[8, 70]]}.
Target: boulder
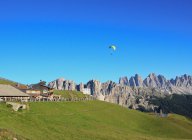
{"points": [[17, 106]]}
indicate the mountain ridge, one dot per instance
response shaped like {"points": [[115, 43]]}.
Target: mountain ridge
{"points": [[135, 93], [178, 85]]}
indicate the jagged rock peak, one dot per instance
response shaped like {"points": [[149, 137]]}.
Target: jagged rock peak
{"points": [[59, 82], [151, 81], [183, 81], [136, 81], [62, 84], [80, 87], [162, 81], [124, 81], [95, 87]]}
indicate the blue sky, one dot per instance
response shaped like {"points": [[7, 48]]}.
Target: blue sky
{"points": [[66, 38]]}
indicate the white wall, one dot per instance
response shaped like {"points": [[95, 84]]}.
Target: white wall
{"points": [[87, 91]]}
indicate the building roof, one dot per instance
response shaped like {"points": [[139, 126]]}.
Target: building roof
{"points": [[10, 91], [40, 86]]}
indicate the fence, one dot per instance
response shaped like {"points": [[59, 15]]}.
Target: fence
{"points": [[48, 99], [61, 99]]}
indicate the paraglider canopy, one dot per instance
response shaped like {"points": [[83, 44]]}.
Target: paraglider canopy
{"points": [[113, 47]]}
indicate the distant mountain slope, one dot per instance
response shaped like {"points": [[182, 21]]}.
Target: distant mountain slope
{"points": [[12, 83], [179, 85], [136, 93], [180, 104], [92, 120], [7, 82]]}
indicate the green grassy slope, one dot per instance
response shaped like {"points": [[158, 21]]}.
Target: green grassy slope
{"points": [[8, 135], [70, 94], [7, 82], [12, 83], [91, 120]]}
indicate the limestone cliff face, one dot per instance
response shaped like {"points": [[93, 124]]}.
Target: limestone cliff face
{"points": [[136, 81], [80, 87], [179, 85], [124, 81], [136, 93], [133, 93], [152, 81], [53, 84], [183, 81], [95, 87], [62, 84]]}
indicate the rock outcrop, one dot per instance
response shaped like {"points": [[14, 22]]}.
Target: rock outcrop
{"points": [[183, 81], [136, 81], [62, 84], [180, 85], [132, 93], [162, 82], [124, 81], [53, 85], [152, 81], [80, 87], [95, 87], [17, 106], [69, 85]]}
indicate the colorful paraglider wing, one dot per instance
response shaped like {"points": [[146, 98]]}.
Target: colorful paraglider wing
{"points": [[113, 47]]}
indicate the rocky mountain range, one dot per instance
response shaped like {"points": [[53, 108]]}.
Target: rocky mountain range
{"points": [[62, 84], [133, 92], [179, 85]]}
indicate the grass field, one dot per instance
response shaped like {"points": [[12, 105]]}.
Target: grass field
{"points": [[70, 94], [91, 120]]}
